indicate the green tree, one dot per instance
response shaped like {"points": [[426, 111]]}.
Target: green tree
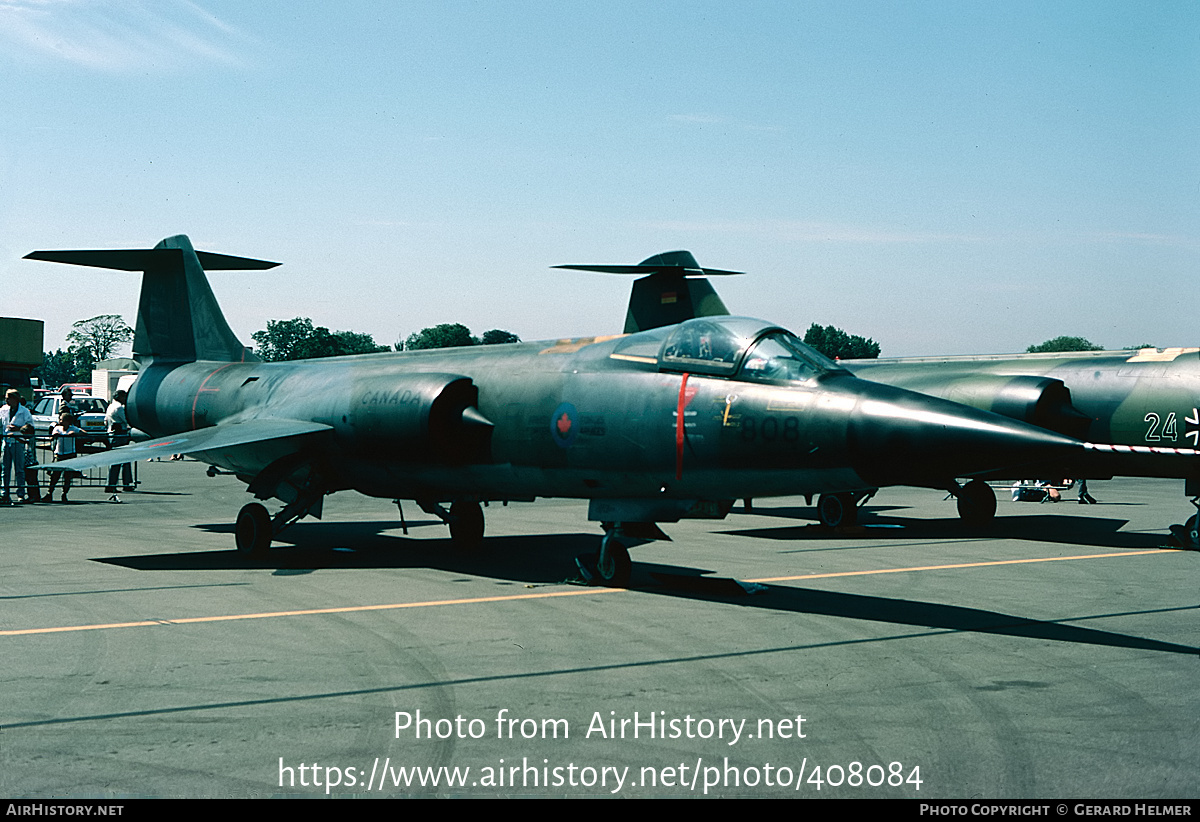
{"points": [[1064, 344], [298, 339], [498, 337], [100, 336], [838, 345], [352, 342], [446, 335], [63, 367]]}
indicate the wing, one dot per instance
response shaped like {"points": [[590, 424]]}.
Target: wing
{"points": [[225, 435]]}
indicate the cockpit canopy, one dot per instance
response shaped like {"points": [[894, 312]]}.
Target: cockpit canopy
{"points": [[724, 346], [709, 346]]}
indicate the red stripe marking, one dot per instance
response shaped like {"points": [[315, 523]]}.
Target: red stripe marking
{"points": [[679, 428], [202, 389]]}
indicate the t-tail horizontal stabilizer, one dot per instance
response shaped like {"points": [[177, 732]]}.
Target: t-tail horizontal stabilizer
{"points": [[672, 289], [178, 317]]}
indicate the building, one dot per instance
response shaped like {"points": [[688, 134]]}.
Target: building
{"points": [[20, 352]]}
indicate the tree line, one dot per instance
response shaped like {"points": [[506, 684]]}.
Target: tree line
{"points": [[100, 337], [299, 339]]}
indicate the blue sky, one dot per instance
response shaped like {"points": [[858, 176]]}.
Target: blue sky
{"points": [[953, 177]]}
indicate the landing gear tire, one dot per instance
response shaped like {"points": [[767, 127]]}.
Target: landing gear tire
{"points": [[1191, 530], [613, 566], [253, 530], [466, 524], [837, 510], [976, 503]]}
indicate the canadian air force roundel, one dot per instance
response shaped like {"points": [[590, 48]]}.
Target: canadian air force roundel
{"points": [[564, 425]]}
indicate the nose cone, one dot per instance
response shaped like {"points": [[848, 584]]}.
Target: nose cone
{"points": [[899, 437]]}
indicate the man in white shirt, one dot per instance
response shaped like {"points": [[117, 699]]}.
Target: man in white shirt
{"points": [[118, 435], [13, 416]]}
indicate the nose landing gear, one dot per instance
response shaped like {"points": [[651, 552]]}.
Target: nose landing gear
{"points": [[612, 566]]}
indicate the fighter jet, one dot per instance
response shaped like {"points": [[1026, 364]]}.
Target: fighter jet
{"points": [[1140, 403], [648, 426], [1137, 407]]}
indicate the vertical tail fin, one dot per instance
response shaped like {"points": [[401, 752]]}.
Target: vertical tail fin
{"points": [[178, 317], [673, 289]]}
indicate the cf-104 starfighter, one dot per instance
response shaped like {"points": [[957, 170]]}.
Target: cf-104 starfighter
{"points": [[647, 426]]}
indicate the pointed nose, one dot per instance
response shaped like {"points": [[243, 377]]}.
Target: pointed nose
{"points": [[899, 437]]}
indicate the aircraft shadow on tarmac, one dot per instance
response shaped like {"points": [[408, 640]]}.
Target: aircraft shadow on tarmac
{"points": [[313, 546], [1100, 532], [937, 616], [808, 512], [541, 559]]}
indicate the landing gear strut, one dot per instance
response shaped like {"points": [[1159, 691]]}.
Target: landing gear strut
{"points": [[1084, 497], [613, 566], [1188, 534], [255, 527]]}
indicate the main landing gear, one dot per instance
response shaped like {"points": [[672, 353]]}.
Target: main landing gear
{"points": [[466, 524], [838, 510], [841, 510], [1188, 534], [252, 532], [255, 527], [976, 502], [465, 519]]}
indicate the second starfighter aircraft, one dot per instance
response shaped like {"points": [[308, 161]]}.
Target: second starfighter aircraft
{"points": [[647, 425], [1138, 406]]}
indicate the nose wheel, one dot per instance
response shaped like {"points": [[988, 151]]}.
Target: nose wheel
{"points": [[613, 565]]}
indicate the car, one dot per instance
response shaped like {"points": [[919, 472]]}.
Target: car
{"points": [[90, 411]]}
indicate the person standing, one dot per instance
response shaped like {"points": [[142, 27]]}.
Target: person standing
{"points": [[118, 435], [67, 402], [33, 486], [13, 417], [63, 436]]}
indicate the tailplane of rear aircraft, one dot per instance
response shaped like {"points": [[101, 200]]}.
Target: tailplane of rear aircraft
{"points": [[178, 317], [673, 288]]}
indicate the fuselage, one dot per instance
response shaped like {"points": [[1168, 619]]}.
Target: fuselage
{"points": [[590, 418], [1135, 398]]}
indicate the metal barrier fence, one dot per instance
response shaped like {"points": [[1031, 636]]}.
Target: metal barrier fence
{"points": [[90, 478]]}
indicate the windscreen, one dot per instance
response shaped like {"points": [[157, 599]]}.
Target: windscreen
{"points": [[781, 357]]}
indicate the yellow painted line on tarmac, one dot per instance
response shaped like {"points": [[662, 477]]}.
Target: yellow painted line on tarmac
{"points": [[961, 565], [349, 609]]}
